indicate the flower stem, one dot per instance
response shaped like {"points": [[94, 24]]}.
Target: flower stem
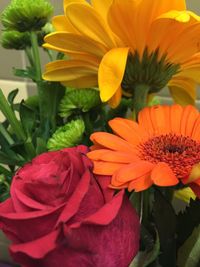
{"points": [[140, 97], [36, 55], [29, 56]]}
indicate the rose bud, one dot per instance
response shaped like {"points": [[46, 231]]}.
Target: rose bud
{"points": [[60, 214]]}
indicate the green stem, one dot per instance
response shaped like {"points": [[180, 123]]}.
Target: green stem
{"points": [[11, 117], [140, 97], [36, 56], [6, 135], [29, 56]]}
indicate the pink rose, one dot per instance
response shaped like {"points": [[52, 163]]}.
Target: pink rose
{"points": [[59, 215]]}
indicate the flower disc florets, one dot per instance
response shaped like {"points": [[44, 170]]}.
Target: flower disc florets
{"points": [[26, 15], [181, 153], [151, 70]]}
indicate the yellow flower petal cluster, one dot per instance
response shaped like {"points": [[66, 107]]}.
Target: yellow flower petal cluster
{"points": [[99, 37]]}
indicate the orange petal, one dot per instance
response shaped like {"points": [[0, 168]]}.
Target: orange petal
{"points": [[159, 120], [133, 171], [127, 129], [196, 130], [111, 156], [162, 175], [145, 122], [176, 112], [106, 168], [140, 184], [112, 141], [189, 117], [61, 23]]}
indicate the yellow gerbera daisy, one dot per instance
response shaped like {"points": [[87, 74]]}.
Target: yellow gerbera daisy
{"points": [[127, 46]]}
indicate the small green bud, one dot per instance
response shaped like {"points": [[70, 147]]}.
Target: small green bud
{"points": [[15, 40], [48, 28], [78, 101], [68, 135], [26, 15]]}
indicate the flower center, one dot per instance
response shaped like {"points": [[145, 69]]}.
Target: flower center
{"points": [[150, 69], [179, 152]]}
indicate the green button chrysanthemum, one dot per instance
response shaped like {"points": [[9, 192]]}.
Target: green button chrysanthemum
{"points": [[78, 101], [15, 40], [26, 15], [68, 135]]}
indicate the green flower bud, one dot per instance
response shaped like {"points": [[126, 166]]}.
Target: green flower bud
{"points": [[78, 101], [68, 135], [15, 40], [48, 28], [26, 15]]}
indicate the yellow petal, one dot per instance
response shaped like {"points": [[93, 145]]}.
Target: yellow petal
{"points": [[111, 72], [121, 18], [183, 90], [61, 23], [147, 12], [62, 70], [89, 23], [115, 100], [195, 173], [87, 81], [181, 16], [70, 42], [185, 194], [102, 7], [187, 44], [69, 2]]}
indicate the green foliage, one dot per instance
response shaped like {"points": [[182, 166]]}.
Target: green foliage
{"points": [[188, 220], [165, 223], [189, 253]]}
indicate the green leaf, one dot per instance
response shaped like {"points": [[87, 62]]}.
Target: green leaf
{"points": [[165, 221], [188, 220], [7, 160], [135, 199], [27, 73], [27, 116], [189, 253], [144, 258], [41, 146], [12, 95]]}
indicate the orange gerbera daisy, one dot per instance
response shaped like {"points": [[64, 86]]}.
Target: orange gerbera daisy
{"points": [[163, 148], [123, 45]]}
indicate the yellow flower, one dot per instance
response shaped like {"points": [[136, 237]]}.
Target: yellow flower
{"points": [[120, 44]]}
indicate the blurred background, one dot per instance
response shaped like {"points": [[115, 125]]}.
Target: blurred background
{"points": [[11, 58]]}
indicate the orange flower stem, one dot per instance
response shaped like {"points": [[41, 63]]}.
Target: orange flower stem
{"points": [[140, 97]]}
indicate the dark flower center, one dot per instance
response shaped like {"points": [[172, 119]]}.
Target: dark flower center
{"points": [[179, 152]]}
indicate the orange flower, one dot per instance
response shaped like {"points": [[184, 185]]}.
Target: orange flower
{"points": [[163, 148]]}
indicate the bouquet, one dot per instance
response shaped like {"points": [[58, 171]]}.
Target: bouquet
{"points": [[94, 170]]}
